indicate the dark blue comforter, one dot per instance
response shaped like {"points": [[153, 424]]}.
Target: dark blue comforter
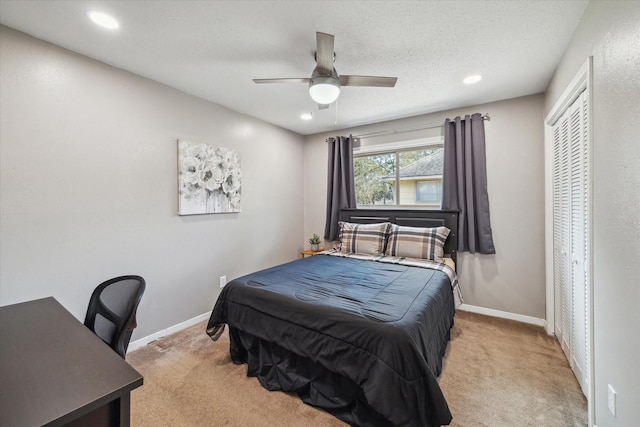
{"points": [[378, 330]]}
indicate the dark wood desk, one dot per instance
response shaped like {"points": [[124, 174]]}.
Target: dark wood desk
{"points": [[55, 372]]}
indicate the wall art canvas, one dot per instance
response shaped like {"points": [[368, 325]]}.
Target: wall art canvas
{"points": [[209, 179]]}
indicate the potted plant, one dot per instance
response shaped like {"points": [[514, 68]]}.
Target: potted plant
{"points": [[315, 242]]}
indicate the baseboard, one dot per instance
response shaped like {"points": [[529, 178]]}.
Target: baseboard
{"points": [[134, 345], [503, 314]]}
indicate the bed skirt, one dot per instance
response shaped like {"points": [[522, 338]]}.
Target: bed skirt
{"points": [[279, 369]]}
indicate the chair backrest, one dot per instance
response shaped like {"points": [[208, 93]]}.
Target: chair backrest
{"points": [[111, 314]]}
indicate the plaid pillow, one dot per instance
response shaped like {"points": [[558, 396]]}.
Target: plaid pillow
{"points": [[417, 242], [363, 238]]}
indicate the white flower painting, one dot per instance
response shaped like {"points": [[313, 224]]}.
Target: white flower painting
{"points": [[209, 179]]}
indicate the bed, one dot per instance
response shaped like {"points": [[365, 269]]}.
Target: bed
{"points": [[359, 331]]}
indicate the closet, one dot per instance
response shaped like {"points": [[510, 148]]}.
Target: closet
{"points": [[571, 235], [570, 272]]}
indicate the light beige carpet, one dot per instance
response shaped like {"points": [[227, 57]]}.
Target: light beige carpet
{"points": [[496, 373]]}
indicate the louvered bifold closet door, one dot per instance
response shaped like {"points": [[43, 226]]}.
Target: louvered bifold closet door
{"points": [[571, 235], [562, 235], [579, 238], [557, 234], [563, 227]]}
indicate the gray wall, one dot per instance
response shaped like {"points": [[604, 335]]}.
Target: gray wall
{"points": [[610, 32], [512, 280], [88, 187]]}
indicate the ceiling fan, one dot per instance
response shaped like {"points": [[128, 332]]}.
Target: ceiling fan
{"points": [[325, 83]]}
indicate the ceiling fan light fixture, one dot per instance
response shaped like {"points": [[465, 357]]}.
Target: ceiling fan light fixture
{"points": [[324, 89]]}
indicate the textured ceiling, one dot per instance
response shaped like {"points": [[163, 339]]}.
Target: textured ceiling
{"points": [[213, 49]]}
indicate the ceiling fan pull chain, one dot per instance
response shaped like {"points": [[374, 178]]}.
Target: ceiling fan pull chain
{"points": [[336, 122]]}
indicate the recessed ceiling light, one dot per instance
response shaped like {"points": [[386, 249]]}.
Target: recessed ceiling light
{"points": [[306, 116], [103, 20], [472, 79]]}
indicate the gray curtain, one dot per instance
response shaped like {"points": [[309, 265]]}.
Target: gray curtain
{"points": [[464, 182], [340, 183]]}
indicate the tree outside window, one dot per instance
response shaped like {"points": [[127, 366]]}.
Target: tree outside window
{"points": [[371, 186]]}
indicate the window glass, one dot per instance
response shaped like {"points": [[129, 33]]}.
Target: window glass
{"points": [[402, 178], [374, 179], [429, 191]]}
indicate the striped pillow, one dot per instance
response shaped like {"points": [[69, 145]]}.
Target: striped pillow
{"points": [[417, 242], [363, 238]]}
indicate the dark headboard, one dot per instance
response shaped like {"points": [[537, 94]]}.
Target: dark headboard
{"points": [[411, 218]]}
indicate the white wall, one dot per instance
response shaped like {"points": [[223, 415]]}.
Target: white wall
{"points": [[512, 280], [610, 32], [88, 187]]}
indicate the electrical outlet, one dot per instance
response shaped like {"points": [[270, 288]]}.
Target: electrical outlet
{"points": [[612, 400], [223, 281]]}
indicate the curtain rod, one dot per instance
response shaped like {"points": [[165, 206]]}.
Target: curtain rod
{"points": [[409, 129]]}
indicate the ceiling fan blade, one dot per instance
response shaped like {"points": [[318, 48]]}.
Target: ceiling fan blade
{"points": [[323, 106], [368, 81], [292, 80], [324, 53]]}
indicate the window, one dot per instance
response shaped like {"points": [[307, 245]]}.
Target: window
{"points": [[429, 191], [403, 177]]}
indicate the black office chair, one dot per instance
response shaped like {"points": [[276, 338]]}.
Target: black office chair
{"points": [[112, 311]]}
